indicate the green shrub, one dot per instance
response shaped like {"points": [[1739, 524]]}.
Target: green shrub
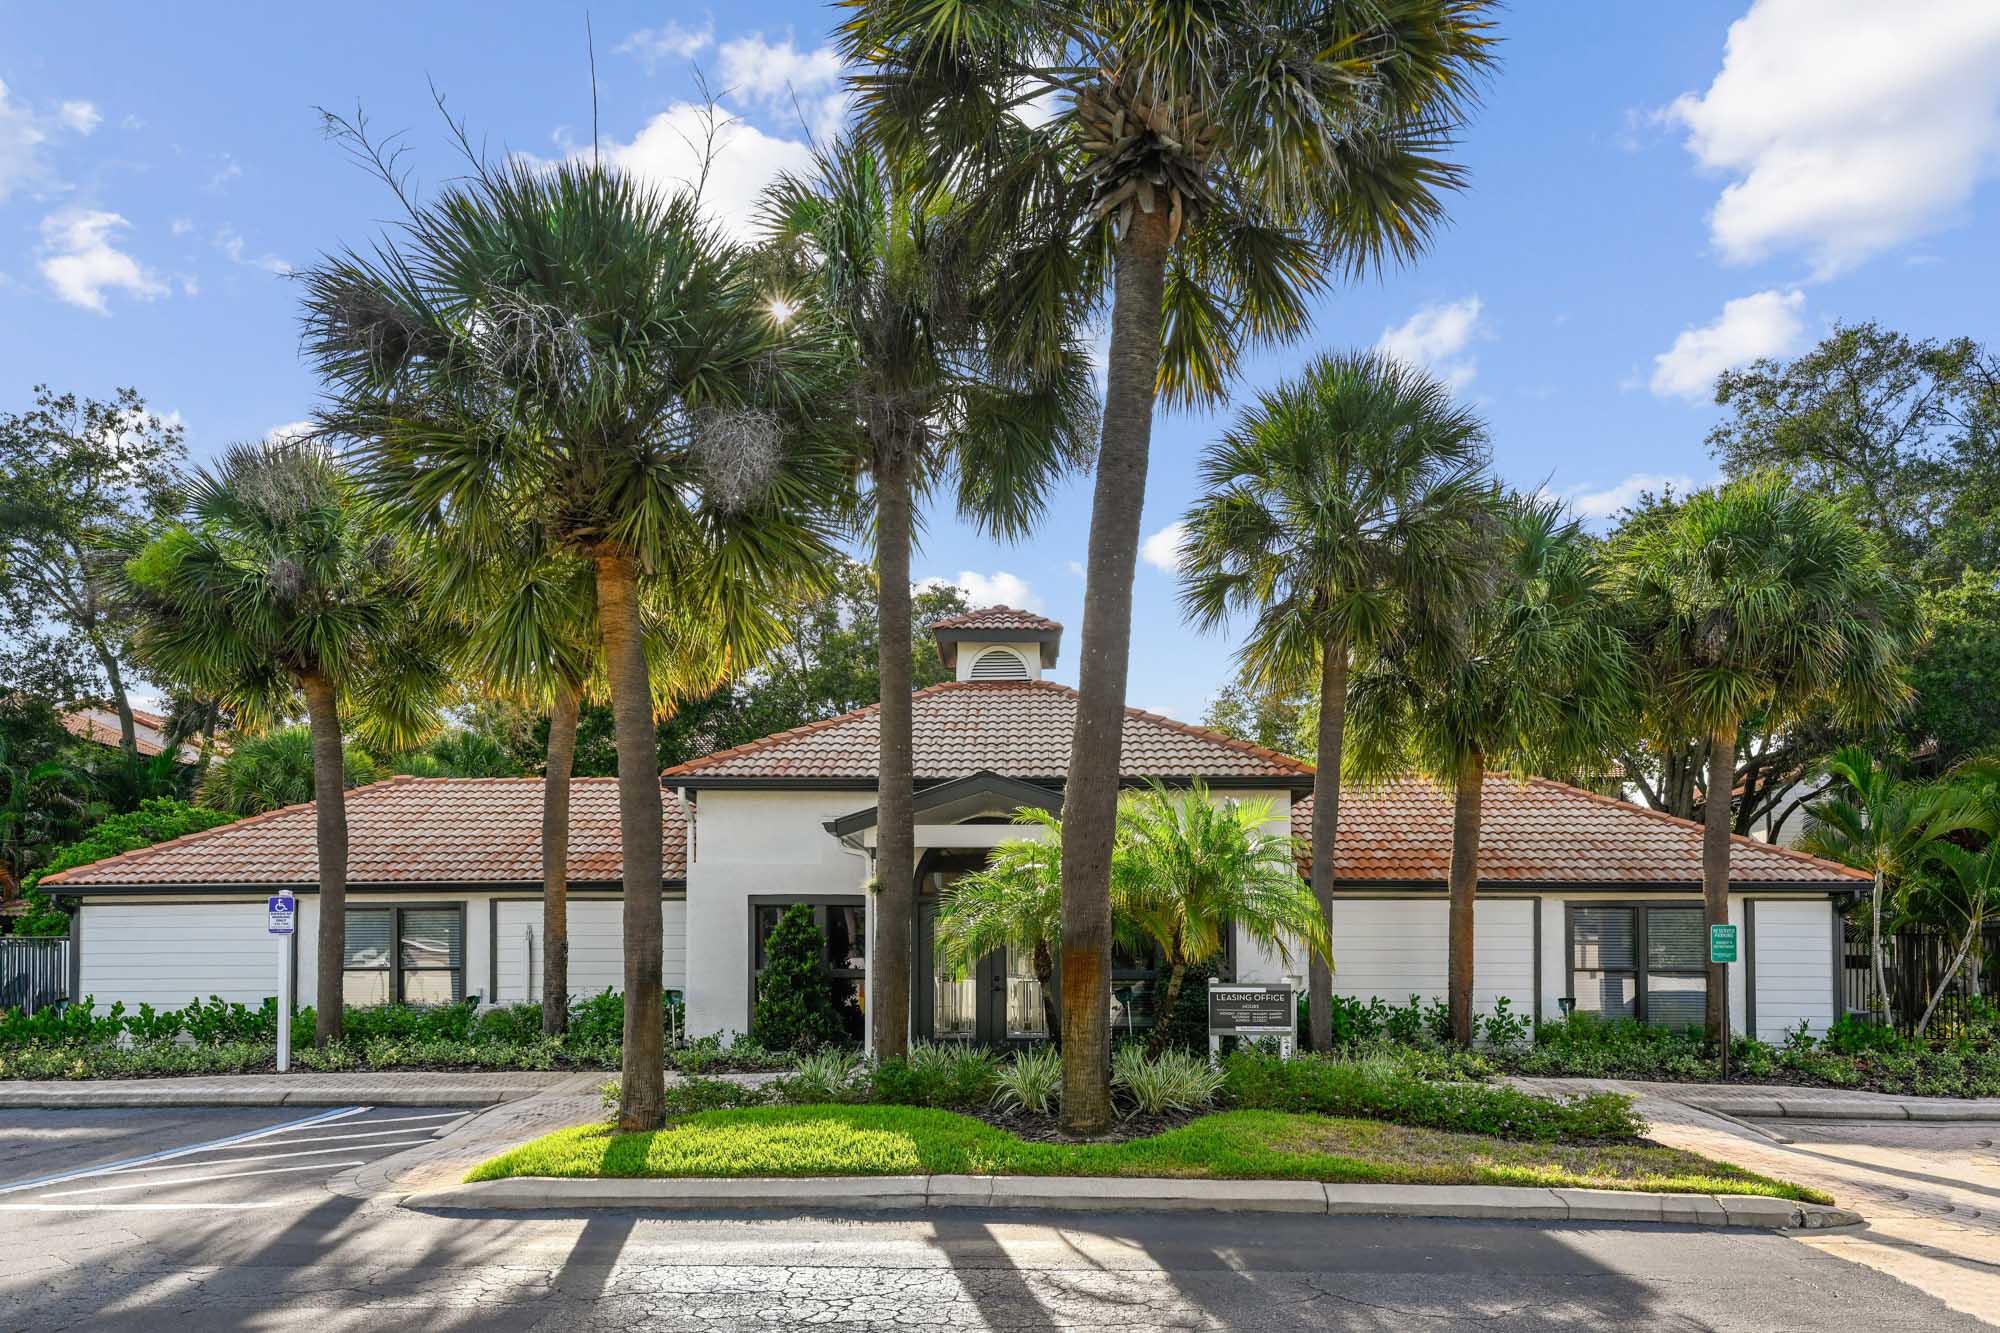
{"points": [[824, 1076], [1503, 1028], [1031, 1082], [1851, 1035], [794, 1005], [1379, 1088], [1169, 1081], [937, 1074]]}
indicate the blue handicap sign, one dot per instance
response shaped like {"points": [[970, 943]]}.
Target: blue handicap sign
{"points": [[283, 909]]}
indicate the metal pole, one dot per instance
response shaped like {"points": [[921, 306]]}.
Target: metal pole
{"points": [[286, 983]]}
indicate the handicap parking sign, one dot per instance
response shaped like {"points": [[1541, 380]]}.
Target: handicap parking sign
{"points": [[283, 908]]}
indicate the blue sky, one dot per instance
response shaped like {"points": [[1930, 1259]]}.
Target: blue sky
{"points": [[1653, 199]]}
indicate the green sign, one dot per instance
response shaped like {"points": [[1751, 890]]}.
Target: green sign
{"points": [[1722, 944]]}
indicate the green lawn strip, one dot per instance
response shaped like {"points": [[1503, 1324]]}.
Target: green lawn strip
{"points": [[1232, 1145]]}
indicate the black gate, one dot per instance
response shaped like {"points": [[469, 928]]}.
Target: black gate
{"points": [[1914, 961], [34, 972]]}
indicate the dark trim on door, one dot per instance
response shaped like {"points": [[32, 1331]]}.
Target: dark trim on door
{"points": [[1750, 967], [1839, 933], [493, 951], [76, 955], [1536, 918]]}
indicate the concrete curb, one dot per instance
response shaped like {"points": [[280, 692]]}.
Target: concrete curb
{"points": [[86, 1098], [845, 1193], [1784, 1108]]}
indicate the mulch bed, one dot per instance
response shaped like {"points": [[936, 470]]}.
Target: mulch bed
{"points": [[1045, 1128]]}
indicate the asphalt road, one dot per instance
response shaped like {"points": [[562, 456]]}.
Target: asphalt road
{"points": [[198, 1241]]}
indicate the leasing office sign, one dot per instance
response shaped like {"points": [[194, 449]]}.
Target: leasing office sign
{"points": [[1260, 1009]]}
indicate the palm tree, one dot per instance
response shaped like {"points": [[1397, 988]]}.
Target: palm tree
{"points": [[925, 401], [1215, 166], [1342, 498], [1536, 676], [264, 772], [1875, 822], [1014, 902], [1754, 596], [573, 350], [1187, 868], [1960, 894], [277, 588]]}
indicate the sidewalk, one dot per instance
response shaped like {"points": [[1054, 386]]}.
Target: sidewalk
{"points": [[1765, 1102], [416, 1088]]}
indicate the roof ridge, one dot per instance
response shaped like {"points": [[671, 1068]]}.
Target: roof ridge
{"points": [[1690, 825], [765, 742], [1298, 766]]}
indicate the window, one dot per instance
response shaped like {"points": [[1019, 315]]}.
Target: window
{"points": [[1135, 977], [1647, 963], [844, 924], [405, 955]]}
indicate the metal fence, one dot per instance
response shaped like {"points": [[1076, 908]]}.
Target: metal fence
{"points": [[34, 973], [1913, 962]]}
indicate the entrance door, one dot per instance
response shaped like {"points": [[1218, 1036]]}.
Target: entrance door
{"points": [[997, 1000]]}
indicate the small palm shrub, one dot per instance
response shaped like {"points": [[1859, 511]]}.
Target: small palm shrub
{"points": [[824, 1076], [1032, 1083], [1170, 1081]]}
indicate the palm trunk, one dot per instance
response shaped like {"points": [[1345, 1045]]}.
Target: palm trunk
{"points": [[895, 844], [1165, 1013], [1715, 826], [330, 831], [1470, 790], [1875, 949], [1326, 830], [1045, 973], [1944, 982], [555, 861], [1090, 797], [642, 1100]]}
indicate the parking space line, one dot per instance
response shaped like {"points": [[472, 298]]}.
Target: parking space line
{"points": [[399, 1119], [85, 1172], [200, 1180], [341, 1138], [260, 1157]]}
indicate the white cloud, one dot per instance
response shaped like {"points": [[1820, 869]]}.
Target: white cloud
{"points": [[83, 117], [668, 42], [1593, 501], [232, 246], [21, 139], [743, 159], [1162, 550], [785, 81], [182, 226], [1076, 568], [1848, 126], [996, 589], [1436, 338], [81, 263], [1764, 324], [290, 430]]}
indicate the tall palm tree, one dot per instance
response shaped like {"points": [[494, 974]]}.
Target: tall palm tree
{"points": [[1878, 823], [1214, 166], [1188, 868], [925, 400], [1341, 499], [1760, 595], [571, 349], [1536, 678], [275, 589], [1013, 902]]}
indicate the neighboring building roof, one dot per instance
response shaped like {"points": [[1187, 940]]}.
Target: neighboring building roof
{"points": [[1539, 832], [149, 730], [1020, 729], [400, 831], [998, 618]]}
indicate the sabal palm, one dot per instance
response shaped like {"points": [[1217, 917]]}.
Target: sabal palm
{"points": [[572, 350], [1189, 868], [275, 769], [1215, 166], [1013, 902], [276, 587], [1536, 678], [1761, 596], [921, 400], [1878, 823], [1343, 501]]}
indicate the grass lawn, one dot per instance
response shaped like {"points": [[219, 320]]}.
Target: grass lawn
{"points": [[1231, 1145]]}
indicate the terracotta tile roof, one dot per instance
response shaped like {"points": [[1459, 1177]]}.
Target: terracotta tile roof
{"points": [[998, 617], [101, 725], [1537, 831], [401, 831], [1019, 729]]}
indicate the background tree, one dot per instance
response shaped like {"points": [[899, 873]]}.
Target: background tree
{"points": [[275, 590], [1339, 499], [931, 401], [1761, 595], [1536, 677], [70, 468], [575, 351], [1277, 719], [275, 768], [1189, 868], [1954, 675], [1215, 169]]}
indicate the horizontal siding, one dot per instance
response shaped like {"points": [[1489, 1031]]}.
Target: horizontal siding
{"points": [[1794, 965], [1393, 949], [596, 953], [171, 955]]}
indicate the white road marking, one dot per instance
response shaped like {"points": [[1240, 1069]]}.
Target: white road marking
{"points": [[399, 1119], [83, 1173], [200, 1180], [261, 1157], [338, 1138]]}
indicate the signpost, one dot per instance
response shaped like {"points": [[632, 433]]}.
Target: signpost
{"points": [[1722, 950], [1253, 1009], [283, 912]]}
